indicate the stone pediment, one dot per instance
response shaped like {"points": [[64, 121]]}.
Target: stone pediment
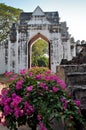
{"points": [[40, 17], [38, 12]]}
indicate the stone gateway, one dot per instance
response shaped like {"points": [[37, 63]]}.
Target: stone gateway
{"points": [[15, 52]]}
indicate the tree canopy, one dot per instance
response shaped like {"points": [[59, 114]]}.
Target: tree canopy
{"points": [[8, 15]]}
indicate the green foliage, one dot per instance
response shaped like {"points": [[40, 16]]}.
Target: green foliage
{"points": [[38, 70], [8, 15], [39, 48], [43, 61]]}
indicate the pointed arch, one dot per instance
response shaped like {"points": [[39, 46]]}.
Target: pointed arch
{"points": [[32, 40]]}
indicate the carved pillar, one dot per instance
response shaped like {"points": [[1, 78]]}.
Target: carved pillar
{"points": [[9, 51], [57, 51], [16, 54]]}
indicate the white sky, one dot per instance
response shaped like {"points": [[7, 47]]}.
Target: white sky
{"points": [[71, 11]]}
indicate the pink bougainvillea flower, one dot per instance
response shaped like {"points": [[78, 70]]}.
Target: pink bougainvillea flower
{"points": [[13, 77], [28, 109], [42, 85], [17, 112], [19, 84], [55, 89], [39, 117], [41, 126], [30, 74], [48, 72], [7, 110], [6, 101], [47, 78], [29, 88], [15, 101], [65, 104], [14, 95], [38, 76], [4, 91], [61, 83], [62, 100], [23, 72], [77, 102], [8, 74]]}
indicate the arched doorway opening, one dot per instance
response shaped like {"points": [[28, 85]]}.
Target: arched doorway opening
{"points": [[39, 53], [30, 44]]}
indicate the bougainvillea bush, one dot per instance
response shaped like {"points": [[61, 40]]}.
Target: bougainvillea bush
{"points": [[36, 97]]}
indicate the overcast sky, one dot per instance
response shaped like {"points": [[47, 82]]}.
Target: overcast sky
{"points": [[71, 11]]}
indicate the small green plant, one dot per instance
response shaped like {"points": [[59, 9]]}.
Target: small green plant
{"points": [[35, 97]]}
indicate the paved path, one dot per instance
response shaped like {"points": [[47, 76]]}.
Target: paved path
{"points": [[3, 127]]}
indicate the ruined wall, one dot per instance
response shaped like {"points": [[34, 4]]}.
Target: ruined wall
{"points": [[75, 78], [14, 57], [73, 74]]}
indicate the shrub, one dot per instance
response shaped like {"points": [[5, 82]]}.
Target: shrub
{"points": [[35, 97]]}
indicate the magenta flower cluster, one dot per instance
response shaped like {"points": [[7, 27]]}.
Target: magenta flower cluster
{"points": [[33, 99], [11, 105], [19, 84]]}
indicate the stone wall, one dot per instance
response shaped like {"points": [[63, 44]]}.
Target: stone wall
{"points": [[75, 78], [72, 74]]}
